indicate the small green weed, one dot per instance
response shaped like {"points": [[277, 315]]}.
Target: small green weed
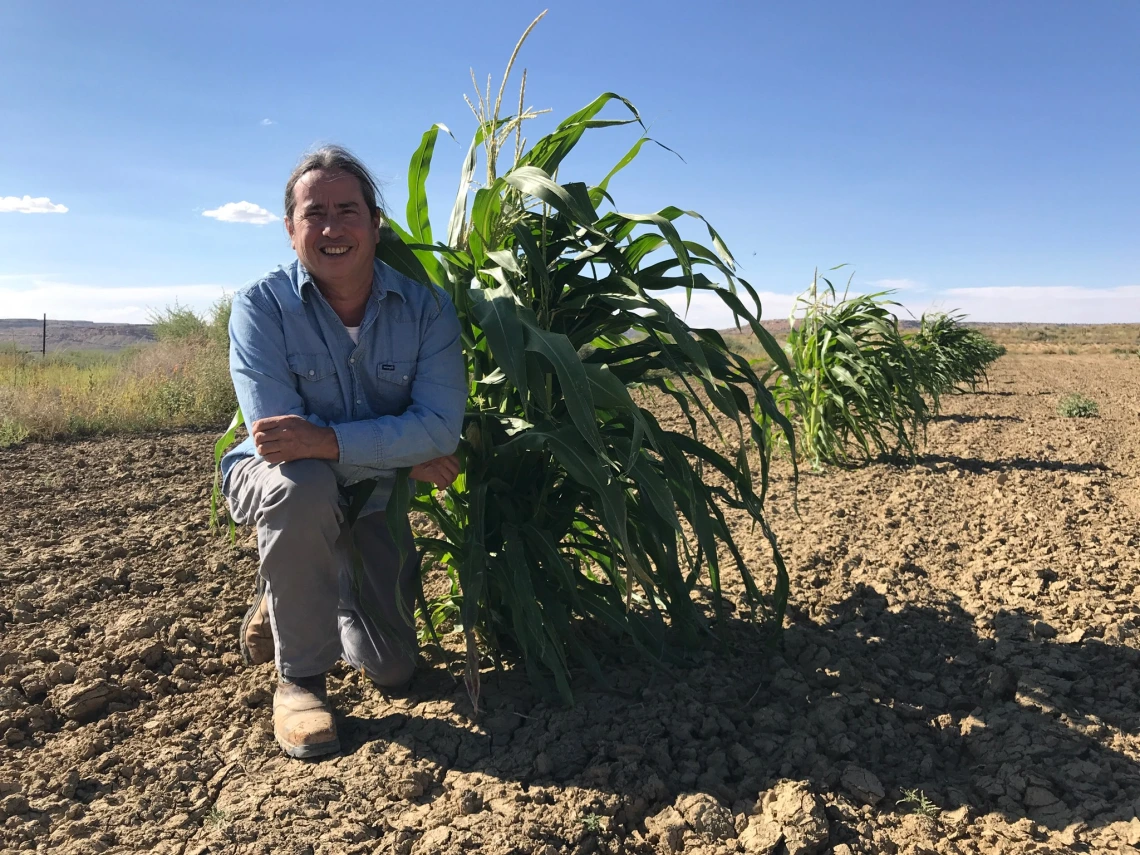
{"points": [[217, 817], [592, 822], [12, 433], [918, 803], [1077, 406]]}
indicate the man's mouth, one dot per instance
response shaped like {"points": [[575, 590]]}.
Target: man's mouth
{"points": [[334, 250]]}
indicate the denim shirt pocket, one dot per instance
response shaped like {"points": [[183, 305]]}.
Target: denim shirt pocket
{"points": [[317, 383], [393, 391], [400, 372]]}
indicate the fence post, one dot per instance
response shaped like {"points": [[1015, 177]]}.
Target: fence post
{"points": [[43, 349]]}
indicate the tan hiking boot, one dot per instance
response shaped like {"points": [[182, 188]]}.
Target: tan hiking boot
{"points": [[303, 719], [256, 630]]}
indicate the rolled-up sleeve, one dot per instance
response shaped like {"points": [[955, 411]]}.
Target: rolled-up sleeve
{"points": [[430, 426]]}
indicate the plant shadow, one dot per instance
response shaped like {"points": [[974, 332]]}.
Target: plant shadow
{"points": [[1017, 724], [969, 418], [1029, 464]]}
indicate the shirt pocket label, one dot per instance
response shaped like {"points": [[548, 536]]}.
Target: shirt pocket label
{"points": [[399, 372]]}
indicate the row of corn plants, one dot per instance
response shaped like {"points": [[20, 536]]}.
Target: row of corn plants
{"points": [[853, 386], [951, 356], [859, 385]]}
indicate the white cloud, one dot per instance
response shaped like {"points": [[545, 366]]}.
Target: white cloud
{"points": [[242, 212], [265, 123], [1056, 304], [707, 310], [31, 297], [1007, 304], [30, 205]]}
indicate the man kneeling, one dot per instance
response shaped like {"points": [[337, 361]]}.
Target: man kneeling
{"points": [[345, 370]]}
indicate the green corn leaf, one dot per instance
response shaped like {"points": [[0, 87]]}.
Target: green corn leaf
{"points": [[220, 447], [496, 313], [535, 182], [419, 223]]}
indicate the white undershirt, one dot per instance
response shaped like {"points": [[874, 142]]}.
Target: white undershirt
{"points": [[354, 334]]}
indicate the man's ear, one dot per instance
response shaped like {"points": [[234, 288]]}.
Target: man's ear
{"points": [[377, 219], [289, 229]]}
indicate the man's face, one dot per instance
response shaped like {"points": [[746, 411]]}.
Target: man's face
{"points": [[332, 232]]}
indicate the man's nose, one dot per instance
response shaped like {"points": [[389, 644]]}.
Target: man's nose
{"points": [[332, 225]]}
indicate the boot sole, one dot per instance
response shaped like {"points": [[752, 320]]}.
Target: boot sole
{"points": [[258, 593], [303, 752]]}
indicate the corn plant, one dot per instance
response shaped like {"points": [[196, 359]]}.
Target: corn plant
{"points": [[579, 517], [950, 357], [853, 386]]}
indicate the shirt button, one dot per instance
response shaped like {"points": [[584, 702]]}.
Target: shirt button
{"points": [[311, 372], [352, 360], [405, 376], [358, 400]]}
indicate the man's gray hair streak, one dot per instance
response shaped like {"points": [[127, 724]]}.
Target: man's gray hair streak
{"points": [[335, 157]]}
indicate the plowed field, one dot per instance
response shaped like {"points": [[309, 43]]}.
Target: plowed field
{"points": [[960, 670]]}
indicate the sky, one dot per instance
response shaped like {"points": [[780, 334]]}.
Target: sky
{"points": [[972, 156]]}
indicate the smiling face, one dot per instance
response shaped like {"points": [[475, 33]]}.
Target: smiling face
{"points": [[332, 230]]}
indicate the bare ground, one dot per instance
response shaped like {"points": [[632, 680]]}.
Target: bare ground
{"points": [[964, 629]]}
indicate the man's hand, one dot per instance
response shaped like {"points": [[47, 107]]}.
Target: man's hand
{"points": [[280, 439], [442, 471]]}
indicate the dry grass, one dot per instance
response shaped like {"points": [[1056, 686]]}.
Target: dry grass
{"points": [[182, 383], [1065, 338]]}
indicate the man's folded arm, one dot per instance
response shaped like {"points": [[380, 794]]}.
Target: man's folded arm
{"points": [[431, 425]]}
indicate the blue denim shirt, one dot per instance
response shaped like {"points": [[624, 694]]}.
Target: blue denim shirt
{"points": [[395, 399]]}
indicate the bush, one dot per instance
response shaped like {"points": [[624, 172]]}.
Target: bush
{"points": [[177, 323], [180, 323], [1077, 406]]}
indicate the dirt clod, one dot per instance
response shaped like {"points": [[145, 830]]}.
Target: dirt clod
{"points": [[667, 828], [706, 816], [789, 813], [83, 702], [863, 786]]}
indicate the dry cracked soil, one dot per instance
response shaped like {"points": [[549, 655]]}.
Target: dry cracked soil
{"points": [[958, 672]]}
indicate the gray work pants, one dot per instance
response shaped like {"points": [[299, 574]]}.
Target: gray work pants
{"points": [[318, 615]]}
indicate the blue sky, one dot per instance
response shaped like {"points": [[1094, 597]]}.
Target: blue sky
{"points": [[975, 155]]}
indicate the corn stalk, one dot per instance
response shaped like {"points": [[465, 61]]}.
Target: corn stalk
{"points": [[579, 517]]}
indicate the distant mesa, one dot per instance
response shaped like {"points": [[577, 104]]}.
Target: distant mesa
{"points": [[26, 334]]}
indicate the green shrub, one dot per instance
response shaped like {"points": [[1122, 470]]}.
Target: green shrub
{"points": [[177, 323], [12, 433], [1077, 406]]}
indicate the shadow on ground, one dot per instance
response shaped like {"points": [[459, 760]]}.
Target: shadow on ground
{"points": [[1019, 725], [970, 418], [1028, 464]]}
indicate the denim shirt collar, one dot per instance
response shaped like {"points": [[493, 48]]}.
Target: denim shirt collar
{"points": [[382, 281]]}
